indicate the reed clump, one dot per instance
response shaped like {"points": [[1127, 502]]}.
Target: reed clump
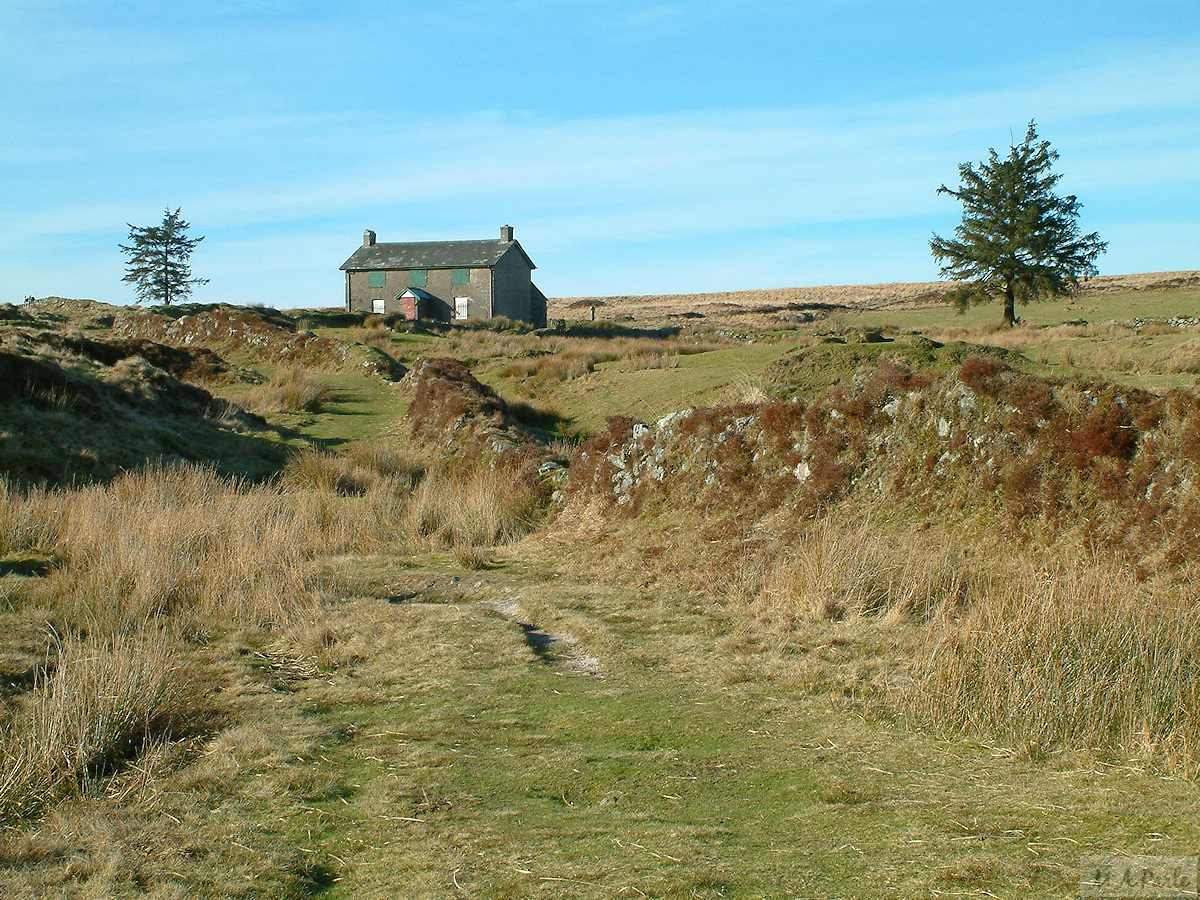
{"points": [[484, 508], [842, 568]]}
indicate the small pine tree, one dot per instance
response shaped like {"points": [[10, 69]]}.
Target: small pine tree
{"points": [[1018, 241], [158, 260]]}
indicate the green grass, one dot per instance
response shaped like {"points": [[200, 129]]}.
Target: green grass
{"points": [[1100, 307], [359, 408], [692, 766], [650, 394]]}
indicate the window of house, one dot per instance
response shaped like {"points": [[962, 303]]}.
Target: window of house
{"points": [[418, 277], [376, 279], [460, 276]]}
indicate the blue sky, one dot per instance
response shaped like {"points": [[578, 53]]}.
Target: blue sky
{"points": [[635, 147]]}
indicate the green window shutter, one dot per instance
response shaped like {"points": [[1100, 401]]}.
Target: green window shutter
{"points": [[418, 277], [461, 276], [376, 279]]}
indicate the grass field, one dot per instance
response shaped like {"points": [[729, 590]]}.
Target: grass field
{"points": [[383, 669], [694, 763]]}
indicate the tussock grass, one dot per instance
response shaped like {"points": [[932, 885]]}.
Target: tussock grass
{"points": [[157, 559], [108, 698], [293, 388], [557, 358], [1019, 338], [373, 332], [845, 568], [1040, 649], [182, 541], [1185, 358], [1077, 655], [485, 508], [472, 557], [28, 520]]}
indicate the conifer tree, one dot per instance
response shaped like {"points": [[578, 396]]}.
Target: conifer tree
{"points": [[158, 260], [1018, 241]]}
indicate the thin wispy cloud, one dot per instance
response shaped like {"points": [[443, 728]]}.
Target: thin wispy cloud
{"points": [[255, 167]]}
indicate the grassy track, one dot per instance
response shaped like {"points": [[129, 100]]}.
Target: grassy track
{"points": [[688, 767]]}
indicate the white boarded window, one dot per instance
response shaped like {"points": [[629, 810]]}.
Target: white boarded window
{"points": [[377, 306], [462, 307]]}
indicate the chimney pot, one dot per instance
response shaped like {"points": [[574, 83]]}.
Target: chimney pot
{"points": [[368, 238], [506, 233]]}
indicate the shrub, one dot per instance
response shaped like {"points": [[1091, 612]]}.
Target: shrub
{"points": [[983, 374]]}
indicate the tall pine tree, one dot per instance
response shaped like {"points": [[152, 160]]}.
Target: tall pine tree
{"points": [[1018, 241], [158, 260]]}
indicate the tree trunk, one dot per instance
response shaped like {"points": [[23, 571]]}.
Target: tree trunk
{"points": [[1010, 312]]}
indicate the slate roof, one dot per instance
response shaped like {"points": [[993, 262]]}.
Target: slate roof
{"points": [[432, 255]]}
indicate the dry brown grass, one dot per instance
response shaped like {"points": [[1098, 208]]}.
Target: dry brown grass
{"points": [[1074, 654], [374, 332], [28, 520], [844, 568], [484, 508], [1041, 649], [470, 557], [181, 541], [575, 357], [293, 388], [155, 564], [108, 699], [771, 305], [1014, 338], [1184, 358], [556, 358], [737, 304]]}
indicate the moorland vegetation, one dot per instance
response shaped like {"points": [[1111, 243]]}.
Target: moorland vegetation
{"points": [[315, 603]]}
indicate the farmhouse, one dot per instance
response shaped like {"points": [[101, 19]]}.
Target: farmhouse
{"points": [[445, 280]]}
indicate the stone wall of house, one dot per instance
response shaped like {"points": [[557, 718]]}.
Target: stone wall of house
{"points": [[537, 306], [512, 287], [363, 296]]}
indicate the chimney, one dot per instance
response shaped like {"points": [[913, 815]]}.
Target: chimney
{"points": [[368, 238], [506, 233]]}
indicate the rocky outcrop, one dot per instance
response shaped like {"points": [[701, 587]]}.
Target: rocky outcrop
{"points": [[1115, 464], [267, 335]]}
